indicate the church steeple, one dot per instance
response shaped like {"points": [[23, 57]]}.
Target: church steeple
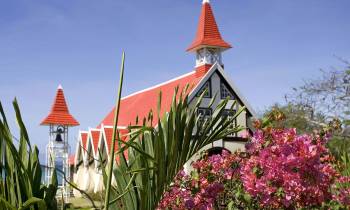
{"points": [[57, 150], [208, 43], [59, 114]]}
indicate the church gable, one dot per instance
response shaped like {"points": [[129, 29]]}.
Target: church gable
{"points": [[221, 87]]}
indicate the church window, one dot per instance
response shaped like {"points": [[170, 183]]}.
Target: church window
{"points": [[204, 113], [206, 86], [225, 92], [229, 113]]}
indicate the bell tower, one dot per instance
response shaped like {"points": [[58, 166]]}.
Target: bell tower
{"points": [[208, 44], [57, 150]]}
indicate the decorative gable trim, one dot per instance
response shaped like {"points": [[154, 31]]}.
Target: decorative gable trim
{"points": [[218, 68]]}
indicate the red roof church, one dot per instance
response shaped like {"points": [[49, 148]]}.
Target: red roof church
{"points": [[208, 46]]}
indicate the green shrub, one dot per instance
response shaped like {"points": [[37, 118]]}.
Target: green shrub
{"points": [[20, 171]]}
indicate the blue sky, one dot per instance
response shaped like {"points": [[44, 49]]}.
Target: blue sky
{"points": [[78, 43]]}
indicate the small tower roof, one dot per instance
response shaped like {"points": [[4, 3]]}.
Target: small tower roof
{"points": [[208, 34], [59, 114]]}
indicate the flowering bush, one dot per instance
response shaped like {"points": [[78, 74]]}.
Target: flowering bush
{"points": [[207, 181], [279, 169], [341, 191], [285, 169]]}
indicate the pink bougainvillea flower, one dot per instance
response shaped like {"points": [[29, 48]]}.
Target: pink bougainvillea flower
{"points": [[279, 169]]}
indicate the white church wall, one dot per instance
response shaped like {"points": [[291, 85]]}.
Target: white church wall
{"points": [[78, 181], [98, 181]]}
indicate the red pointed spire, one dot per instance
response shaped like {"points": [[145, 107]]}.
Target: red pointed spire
{"points": [[59, 114], [208, 33]]}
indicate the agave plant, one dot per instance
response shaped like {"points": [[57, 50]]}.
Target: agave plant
{"points": [[20, 171], [157, 154]]}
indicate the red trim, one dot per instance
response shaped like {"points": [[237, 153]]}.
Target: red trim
{"points": [[59, 114], [208, 33]]}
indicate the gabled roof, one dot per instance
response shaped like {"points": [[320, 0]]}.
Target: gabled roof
{"points": [[208, 34], [84, 140], [220, 70], [95, 138], [108, 132], [108, 136], [140, 103], [59, 114], [80, 150]]}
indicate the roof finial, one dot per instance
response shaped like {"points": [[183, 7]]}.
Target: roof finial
{"points": [[60, 87], [206, 1]]}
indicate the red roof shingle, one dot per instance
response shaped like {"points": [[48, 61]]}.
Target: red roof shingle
{"points": [[109, 136], [208, 33], [139, 104], [84, 138], [59, 114], [95, 135]]}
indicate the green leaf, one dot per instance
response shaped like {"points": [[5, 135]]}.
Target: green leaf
{"points": [[230, 205], [116, 116], [255, 169], [247, 197], [34, 201], [6, 204]]}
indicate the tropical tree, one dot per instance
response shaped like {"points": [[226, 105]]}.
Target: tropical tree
{"points": [[295, 116], [329, 94], [319, 102]]}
